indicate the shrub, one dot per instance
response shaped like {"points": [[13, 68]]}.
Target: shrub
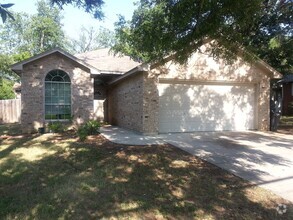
{"points": [[89, 128], [56, 127], [82, 133], [6, 89], [93, 127]]}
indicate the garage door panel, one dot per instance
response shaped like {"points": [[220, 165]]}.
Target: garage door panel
{"points": [[205, 107]]}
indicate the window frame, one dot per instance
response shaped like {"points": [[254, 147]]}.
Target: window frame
{"points": [[58, 105]]}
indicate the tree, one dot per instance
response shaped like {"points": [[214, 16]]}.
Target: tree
{"points": [[12, 34], [27, 35], [45, 29], [4, 11], [91, 39], [6, 61], [160, 28], [271, 38], [33, 34], [91, 6], [105, 38], [7, 77], [6, 89]]}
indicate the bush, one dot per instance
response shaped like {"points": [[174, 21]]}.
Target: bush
{"points": [[93, 127], [89, 128], [82, 133], [56, 127], [6, 89]]}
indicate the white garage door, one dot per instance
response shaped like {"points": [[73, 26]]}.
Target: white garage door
{"points": [[203, 107]]}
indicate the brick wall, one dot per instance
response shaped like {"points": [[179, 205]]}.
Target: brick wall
{"points": [[32, 81], [125, 103], [150, 104]]}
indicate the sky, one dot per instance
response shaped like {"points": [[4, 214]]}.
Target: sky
{"points": [[74, 18]]}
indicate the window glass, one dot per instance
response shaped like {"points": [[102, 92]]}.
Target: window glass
{"points": [[57, 96]]}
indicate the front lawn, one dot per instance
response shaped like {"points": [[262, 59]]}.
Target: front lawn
{"points": [[286, 125], [286, 120], [54, 176]]}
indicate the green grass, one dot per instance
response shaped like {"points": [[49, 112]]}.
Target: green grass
{"points": [[286, 120], [11, 129], [55, 176]]}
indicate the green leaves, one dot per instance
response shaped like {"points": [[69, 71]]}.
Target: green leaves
{"points": [[91, 38], [33, 34], [272, 39], [165, 27], [160, 28], [91, 6], [6, 89], [4, 12], [28, 35]]}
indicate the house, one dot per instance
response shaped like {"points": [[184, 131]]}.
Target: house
{"points": [[287, 82], [204, 94]]}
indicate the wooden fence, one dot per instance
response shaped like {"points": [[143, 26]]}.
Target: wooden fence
{"points": [[10, 111]]}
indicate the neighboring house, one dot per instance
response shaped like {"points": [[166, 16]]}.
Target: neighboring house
{"points": [[287, 82], [202, 95]]}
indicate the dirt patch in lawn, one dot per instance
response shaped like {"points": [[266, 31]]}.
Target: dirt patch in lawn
{"points": [[285, 129], [56, 176], [286, 125]]}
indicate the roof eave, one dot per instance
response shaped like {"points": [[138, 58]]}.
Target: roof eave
{"points": [[140, 68], [273, 72], [18, 67]]}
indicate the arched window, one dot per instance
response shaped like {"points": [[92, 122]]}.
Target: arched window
{"points": [[57, 96]]}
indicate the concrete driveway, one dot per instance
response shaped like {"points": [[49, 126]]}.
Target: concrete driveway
{"points": [[264, 158]]}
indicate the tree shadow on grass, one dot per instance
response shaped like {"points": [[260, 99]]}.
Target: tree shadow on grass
{"points": [[100, 179]]}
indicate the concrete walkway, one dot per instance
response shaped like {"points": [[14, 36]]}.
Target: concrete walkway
{"points": [[124, 136], [264, 158]]}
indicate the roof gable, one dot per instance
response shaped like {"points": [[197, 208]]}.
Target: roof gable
{"points": [[18, 67], [241, 53], [156, 67]]}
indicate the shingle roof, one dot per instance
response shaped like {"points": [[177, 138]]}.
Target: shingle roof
{"points": [[105, 61]]}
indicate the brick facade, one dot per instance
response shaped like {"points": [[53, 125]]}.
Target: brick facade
{"points": [[32, 94], [125, 103], [134, 102], [150, 104]]}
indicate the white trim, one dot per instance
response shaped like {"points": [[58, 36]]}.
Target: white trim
{"points": [[201, 82], [110, 72], [44, 97]]}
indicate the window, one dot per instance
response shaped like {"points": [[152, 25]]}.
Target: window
{"points": [[57, 96]]}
